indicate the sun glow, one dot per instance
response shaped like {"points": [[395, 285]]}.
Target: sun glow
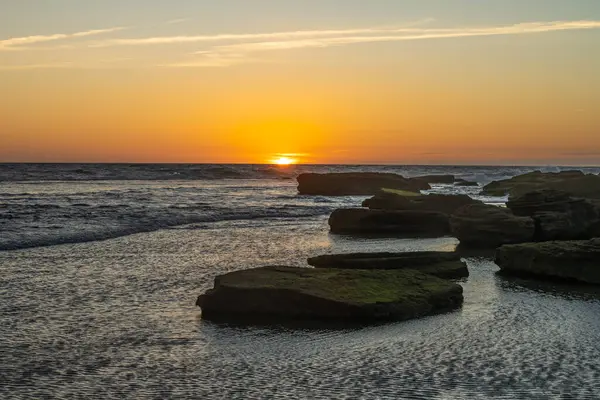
{"points": [[284, 161]]}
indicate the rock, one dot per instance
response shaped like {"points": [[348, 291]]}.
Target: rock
{"points": [[284, 293], [400, 223], [575, 183], [356, 183], [444, 265], [557, 215], [432, 202], [447, 179], [546, 200], [463, 182], [481, 225], [563, 260]]}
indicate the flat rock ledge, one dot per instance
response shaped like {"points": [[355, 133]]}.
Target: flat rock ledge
{"points": [[356, 183], [286, 293], [444, 203], [568, 261], [414, 224], [445, 265]]}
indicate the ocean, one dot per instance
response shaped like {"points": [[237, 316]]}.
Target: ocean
{"points": [[100, 267]]}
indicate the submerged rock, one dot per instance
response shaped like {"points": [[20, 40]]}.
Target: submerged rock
{"points": [[400, 223], [575, 183], [441, 264], [563, 260], [481, 225], [356, 183], [447, 204], [557, 215], [284, 293]]}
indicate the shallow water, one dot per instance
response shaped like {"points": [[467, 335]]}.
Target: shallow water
{"points": [[116, 318]]}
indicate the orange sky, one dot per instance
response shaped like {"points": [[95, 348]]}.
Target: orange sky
{"points": [[507, 99]]}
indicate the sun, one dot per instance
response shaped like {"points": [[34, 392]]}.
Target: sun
{"points": [[284, 161]]}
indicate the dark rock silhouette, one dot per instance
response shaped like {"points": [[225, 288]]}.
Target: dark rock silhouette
{"points": [[445, 179], [356, 183], [575, 183], [481, 225], [433, 202], [558, 215], [445, 265], [400, 223], [559, 260]]}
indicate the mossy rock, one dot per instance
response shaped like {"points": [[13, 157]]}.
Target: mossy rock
{"points": [[284, 293], [569, 261], [575, 183], [444, 203], [356, 183], [446, 265], [361, 221], [488, 226]]}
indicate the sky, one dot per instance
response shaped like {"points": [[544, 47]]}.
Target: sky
{"points": [[317, 81]]}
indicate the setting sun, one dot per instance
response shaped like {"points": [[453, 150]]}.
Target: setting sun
{"points": [[284, 161]]}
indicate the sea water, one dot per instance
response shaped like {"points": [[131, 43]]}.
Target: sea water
{"points": [[100, 267]]}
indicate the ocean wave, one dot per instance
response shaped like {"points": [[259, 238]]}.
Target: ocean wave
{"points": [[78, 229], [141, 172], [38, 213]]}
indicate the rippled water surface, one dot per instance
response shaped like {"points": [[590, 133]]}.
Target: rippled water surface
{"points": [[116, 318]]}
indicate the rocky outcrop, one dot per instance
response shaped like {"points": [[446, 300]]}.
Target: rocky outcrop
{"points": [[444, 179], [576, 183], [447, 204], [557, 215], [397, 223], [481, 225], [559, 260], [284, 293], [356, 183], [444, 265]]}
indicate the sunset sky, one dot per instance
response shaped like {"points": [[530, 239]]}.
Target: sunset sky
{"points": [[317, 81]]}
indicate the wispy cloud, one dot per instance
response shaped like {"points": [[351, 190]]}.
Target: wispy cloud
{"points": [[417, 34], [232, 54], [177, 21], [165, 40], [332, 36], [222, 50], [36, 66], [16, 43]]}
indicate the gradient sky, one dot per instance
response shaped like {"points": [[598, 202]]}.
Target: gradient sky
{"points": [[322, 81]]}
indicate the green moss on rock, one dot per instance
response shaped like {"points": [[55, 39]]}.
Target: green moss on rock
{"points": [[302, 293], [577, 260], [447, 265]]}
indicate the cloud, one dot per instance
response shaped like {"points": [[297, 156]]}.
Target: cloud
{"points": [[416, 34], [165, 40], [337, 35], [17, 43], [223, 50], [232, 54], [36, 66], [177, 21]]}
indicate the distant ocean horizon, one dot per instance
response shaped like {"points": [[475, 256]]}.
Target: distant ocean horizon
{"points": [[174, 171]]}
